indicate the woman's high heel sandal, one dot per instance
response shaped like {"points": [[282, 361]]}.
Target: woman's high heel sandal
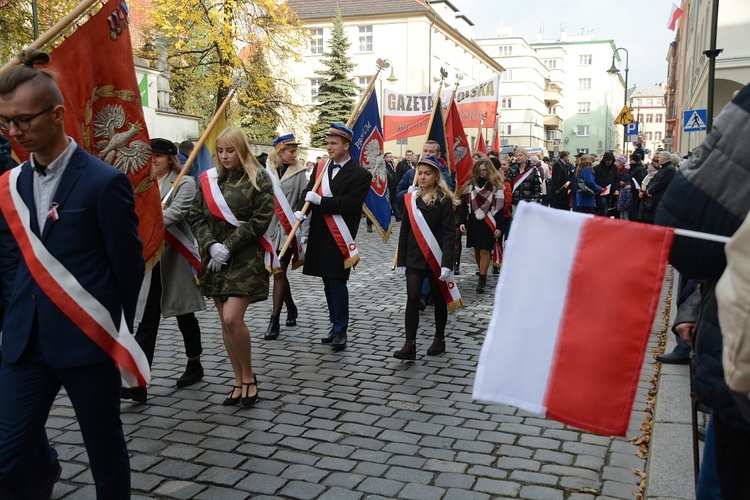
{"points": [[230, 401], [248, 401], [291, 315]]}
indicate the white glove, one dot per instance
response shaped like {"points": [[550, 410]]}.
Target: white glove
{"points": [[313, 198], [303, 240], [401, 270], [214, 266], [299, 216], [219, 252], [411, 189], [445, 274]]}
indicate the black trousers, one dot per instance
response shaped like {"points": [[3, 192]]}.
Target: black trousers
{"points": [[149, 325]]}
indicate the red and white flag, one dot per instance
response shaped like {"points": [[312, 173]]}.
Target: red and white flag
{"points": [[673, 17], [606, 190], [577, 359]]}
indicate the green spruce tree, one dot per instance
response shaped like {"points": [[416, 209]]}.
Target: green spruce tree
{"points": [[337, 90]]}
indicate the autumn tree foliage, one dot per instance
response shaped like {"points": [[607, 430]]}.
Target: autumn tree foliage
{"points": [[337, 89], [211, 46], [16, 26]]}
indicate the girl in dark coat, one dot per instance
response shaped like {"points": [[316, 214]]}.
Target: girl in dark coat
{"points": [[482, 198], [434, 202]]}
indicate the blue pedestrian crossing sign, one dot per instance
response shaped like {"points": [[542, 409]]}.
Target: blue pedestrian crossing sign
{"points": [[694, 120]]}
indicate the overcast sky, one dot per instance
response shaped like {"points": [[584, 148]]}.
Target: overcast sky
{"points": [[640, 26]]}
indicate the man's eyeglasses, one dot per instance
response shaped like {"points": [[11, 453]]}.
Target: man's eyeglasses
{"points": [[22, 123]]}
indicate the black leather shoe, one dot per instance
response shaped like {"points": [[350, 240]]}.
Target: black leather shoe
{"points": [[273, 329], [339, 342], [673, 359], [328, 338], [137, 394]]}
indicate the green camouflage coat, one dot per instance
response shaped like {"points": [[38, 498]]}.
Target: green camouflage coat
{"points": [[245, 274]]}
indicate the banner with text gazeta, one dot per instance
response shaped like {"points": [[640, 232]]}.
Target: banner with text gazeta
{"points": [[473, 100], [405, 115]]}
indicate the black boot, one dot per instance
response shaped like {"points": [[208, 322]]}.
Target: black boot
{"points": [[291, 315], [457, 268], [437, 347], [408, 352], [273, 329], [193, 373], [482, 282]]}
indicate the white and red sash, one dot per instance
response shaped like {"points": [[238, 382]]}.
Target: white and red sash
{"points": [[219, 208], [64, 290], [336, 224], [497, 249], [186, 245], [519, 180], [431, 252], [285, 214]]}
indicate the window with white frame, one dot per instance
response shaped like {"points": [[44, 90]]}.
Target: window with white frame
{"points": [[583, 151], [583, 130], [649, 102], [584, 83], [648, 136], [584, 107], [584, 60], [660, 102], [637, 102], [659, 118], [314, 87], [506, 75], [362, 82], [640, 117], [316, 41], [649, 118], [505, 102], [550, 63], [365, 38], [657, 136], [506, 50], [506, 129]]}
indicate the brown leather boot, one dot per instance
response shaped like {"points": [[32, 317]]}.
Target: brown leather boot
{"points": [[408, 352], [437, 347]]}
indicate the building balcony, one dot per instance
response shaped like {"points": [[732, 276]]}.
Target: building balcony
{"points": [[553, 122], [552, 94]]}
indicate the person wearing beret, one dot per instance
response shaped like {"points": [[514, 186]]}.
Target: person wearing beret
{"points": [[170, 288], [336, 213], [290, 177]]}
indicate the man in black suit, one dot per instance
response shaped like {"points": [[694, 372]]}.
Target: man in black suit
{"points": [[560, 182], [74, 296], [392, 183], [406, 164], [336, 212]]}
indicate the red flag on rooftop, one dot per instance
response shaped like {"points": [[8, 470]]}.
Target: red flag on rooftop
{"points": [[458, 145], [96, 74], [673, 17]]}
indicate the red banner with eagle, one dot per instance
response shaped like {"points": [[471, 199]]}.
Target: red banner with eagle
{"points": [[95, 72]]}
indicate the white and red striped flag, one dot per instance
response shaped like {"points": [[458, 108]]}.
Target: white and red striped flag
{"points": [[674, 15], [606, 190], [579, 360]]}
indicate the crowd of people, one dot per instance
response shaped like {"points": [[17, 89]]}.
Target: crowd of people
{"points": [[231, 228]]}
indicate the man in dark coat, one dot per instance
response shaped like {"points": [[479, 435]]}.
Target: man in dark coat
{"points": [[406, 164], [637, 174], [605, 174], [658, 185], [558, 187], [349, 184], [697, 199], [8, 248], [525, 187], [390, 171]]}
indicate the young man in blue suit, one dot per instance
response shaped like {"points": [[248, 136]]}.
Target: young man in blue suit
{"points": [[79, 212]]}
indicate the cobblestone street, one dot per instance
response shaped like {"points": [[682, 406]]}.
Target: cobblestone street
{"points": [[353, 424]]}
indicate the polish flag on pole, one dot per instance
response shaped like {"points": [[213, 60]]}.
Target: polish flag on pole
{"points": [[579, 360], [673, 17], [481, 145]]}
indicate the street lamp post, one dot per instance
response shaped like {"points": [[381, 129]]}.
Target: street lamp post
{"points": [[384, 64], [614, 72]]}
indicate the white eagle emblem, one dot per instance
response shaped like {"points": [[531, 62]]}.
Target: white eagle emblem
{"points": [[117, 147], [458, 151], [374, 162]]}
